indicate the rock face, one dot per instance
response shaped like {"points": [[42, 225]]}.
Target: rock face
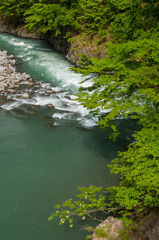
{"points": [[6, 26], [80, 44], [85, 45], [149, 229], [108, 229], [9, 27]]}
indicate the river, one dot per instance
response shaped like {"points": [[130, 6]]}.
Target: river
{"points": [[46, 153]]}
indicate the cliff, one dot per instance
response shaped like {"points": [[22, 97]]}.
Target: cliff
{"points": [[78, 45]]}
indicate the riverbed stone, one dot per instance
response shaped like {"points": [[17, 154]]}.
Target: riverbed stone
{"points": [[17, 81], [50, 105], [49, 91], [11, 86], [10, 80], [25, 82], [36, 84], [19, 77], [1, 89], [8, 70], [27, 76], [11, 90], [67, 97], [25, 95], [11, 56]]}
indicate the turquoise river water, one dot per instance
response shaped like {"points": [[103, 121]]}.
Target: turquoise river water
{"points": [[41, 163]]}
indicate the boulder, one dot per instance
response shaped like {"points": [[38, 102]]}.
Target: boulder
{"points": [[67, 97], [16, 81], [1, 73], [50, 105], [11, 90], [49, 92], [25, 82], [27, 76], [11, 57], [37, 84], [1, 89], [8, 70], [25, 95], [11, 86], [108, 229], [19, 77]]}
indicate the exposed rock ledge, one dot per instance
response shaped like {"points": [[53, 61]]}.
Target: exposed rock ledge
{"points": [[6, 26], [149, 229], [80, 44]]}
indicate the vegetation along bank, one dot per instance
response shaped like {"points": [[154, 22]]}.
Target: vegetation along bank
{"points": [[120, 43]]}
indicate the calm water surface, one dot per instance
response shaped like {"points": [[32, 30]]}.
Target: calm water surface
{"points": [[42, 164]]}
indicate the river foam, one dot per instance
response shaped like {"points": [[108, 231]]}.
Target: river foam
{"points": [[57, 85]]}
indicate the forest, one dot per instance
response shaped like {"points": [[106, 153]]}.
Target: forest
{"points": [[125, 86]]}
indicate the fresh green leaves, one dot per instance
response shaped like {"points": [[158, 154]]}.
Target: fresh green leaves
{"points": [[14, 8], [88, 202], [139, 171], [51, 17]]}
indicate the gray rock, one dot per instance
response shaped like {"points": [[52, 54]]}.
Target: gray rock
{"points": [[25, 82], [25, 95], [1, 89], [67, 97], [16, 81], [11, 90], [8, 70], [9, 97], [19, 77], [50, 105], [27, 76], [112, 227], [11, 86], [11, 57], [49, 92]]}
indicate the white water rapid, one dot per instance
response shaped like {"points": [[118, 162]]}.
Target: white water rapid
{"points": [[57, 83]]}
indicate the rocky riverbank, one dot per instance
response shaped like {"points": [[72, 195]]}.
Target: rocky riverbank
{"points": [[18, 86], [11, 81]]}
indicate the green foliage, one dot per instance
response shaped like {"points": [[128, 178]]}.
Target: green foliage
{"points": [[92, 15], [123, 234], [88, 202], [126, 85], [125, 18], [138, 190], [100, 233], [89, 237], [14, 8], [51, 17]]}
